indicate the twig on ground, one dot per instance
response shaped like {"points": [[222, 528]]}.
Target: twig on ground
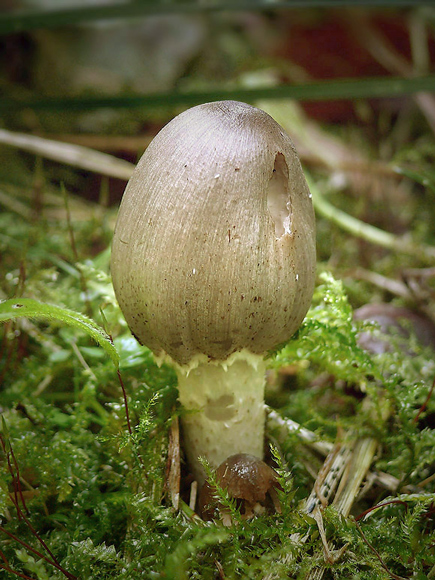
{"points": [[355, 471], [173, 464], [366, 231], [284, 426], [346, 466], [74, 155]]}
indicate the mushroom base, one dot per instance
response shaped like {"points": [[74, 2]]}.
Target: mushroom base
{"points": [[225, 410]]}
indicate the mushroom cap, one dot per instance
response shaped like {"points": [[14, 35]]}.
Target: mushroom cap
{"points": [[245, 477], [214, 246]]}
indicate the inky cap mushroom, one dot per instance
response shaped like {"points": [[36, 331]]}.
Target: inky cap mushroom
{"points": [[213, 265]]}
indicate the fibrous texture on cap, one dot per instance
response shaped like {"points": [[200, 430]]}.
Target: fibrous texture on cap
{"points": [[214, 248]]}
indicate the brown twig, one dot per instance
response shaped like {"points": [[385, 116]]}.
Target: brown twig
{"points": [[18, 495], [16, 481], [19, 574], [378, 556], [124, 394], [173, 464], [423, 407], [118, 372], [375, 507], [8, 568], [52, 561], [83, 282]]}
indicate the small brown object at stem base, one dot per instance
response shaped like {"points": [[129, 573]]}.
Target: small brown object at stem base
{"points": [[247, 479]]}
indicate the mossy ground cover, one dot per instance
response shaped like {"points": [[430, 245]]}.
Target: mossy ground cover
{"points": [[74, 478]]}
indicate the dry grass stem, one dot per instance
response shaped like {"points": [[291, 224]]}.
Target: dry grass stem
{"points": [[16, 206], [387, 55], [131, 144], [366, 231], [75, 155], [21, 202], [325, 485], [343, 472], [283, 427], [173, 467], [356, 469], [395, 287]]}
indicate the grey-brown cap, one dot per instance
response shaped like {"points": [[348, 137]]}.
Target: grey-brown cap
{"points": [[214, 247]]}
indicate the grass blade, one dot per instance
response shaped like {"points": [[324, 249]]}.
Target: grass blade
{"points": [[29, 308], [20, 21], [364, 88]]}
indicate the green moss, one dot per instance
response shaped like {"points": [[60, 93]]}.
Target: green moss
{"points": [[97, 495]]}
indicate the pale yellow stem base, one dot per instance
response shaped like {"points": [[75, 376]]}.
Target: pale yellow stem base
{"points": [[226, 413]]}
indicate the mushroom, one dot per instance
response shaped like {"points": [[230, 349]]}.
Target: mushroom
{"points": [[246, 479], [213, 265]]}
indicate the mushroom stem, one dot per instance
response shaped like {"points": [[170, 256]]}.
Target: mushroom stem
{"points": [[225, 410]]}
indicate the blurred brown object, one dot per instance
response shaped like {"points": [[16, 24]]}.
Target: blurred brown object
{"points": [[327, 45], [393, 321]]}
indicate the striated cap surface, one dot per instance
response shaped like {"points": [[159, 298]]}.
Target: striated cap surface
{"points": [[214, 247]]}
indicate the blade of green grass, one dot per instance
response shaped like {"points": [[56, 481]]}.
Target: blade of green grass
{"points": [[20, 21], [424, 178], [366, 231], [318, 91], [29, 308]]}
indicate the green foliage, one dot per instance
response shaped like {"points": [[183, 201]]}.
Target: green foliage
{"points": [[29, 308], [329, 336], [96, 493]]}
